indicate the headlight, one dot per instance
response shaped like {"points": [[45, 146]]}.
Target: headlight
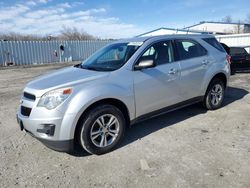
{"points": [[52, 99]]}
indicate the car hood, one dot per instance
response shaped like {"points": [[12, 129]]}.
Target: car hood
{"points": [[65, 77]]}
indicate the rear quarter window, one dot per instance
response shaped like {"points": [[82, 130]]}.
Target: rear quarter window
{"points": [[238, 51], [213, 42], [187, 49]]}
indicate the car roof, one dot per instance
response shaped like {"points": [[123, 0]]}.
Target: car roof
{"points": [[175, 36], [239, 46]]}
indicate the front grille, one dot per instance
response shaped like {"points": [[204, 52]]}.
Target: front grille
{"points": [[25, 111], [29, 96]]}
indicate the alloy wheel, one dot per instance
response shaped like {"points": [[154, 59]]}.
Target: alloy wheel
{"points": [[104, 130], [216, 94]]}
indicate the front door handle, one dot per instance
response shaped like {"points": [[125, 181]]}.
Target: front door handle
{"points": [[172, 71], [205, 62]]}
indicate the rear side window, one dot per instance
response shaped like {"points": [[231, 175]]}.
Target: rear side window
{"points": [[213, 42], [238, 51], [189, 49]]}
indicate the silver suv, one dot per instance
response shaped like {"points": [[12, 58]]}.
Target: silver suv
{"points": [[92, 103]]}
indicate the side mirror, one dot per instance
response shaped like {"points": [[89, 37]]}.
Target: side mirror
{"points": [[144, 64]]}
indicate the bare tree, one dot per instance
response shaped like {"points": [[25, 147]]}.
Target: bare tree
{"points": [[227, 19], [74, 34], [248, 19], [66, 34], [20, 37], [238, 27]]}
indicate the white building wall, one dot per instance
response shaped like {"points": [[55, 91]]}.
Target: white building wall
{"points": [[218, 27], [235, 40]]}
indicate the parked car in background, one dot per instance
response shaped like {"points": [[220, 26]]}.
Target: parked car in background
{"points": [[240, 59], [92, 103]]}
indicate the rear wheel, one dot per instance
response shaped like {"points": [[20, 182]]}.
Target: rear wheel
{"points": [[102, 129], [214, 95]]}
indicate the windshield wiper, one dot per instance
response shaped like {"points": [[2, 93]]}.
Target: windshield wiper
{"points": [[89, 67], [81, 66], [77, 65]]}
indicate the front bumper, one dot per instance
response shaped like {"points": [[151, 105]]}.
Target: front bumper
{"points": [[58, 145], [54, 128], [61, 145]]}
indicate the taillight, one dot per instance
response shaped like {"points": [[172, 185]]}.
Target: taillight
{"points": [[228, 58]]}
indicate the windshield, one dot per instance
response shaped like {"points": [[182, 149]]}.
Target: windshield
{"points": [[111, 57]]}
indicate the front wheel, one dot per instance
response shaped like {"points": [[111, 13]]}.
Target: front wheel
{"points": [[215, 95], [102, 129]]}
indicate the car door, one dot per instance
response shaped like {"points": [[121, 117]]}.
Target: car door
{"points": [[194, 63], [157, 87]]}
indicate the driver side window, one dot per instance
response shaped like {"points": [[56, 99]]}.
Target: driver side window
{"points": [[113, 55], [160, 52]]}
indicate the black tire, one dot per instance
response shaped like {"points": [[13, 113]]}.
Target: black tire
{"points": [[208, 101], [89, 123]]}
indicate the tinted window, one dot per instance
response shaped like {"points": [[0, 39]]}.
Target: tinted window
{"points": [[238, 51], [213, 42], [189, 49], [225, 47], [160, 52]]}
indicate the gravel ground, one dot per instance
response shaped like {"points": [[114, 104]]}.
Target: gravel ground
{"points": [[190, 147]]}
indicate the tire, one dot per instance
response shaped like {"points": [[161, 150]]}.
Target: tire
{"points": [[214, 96], [105, 137]]}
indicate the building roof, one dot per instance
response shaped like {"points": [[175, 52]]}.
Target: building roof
{"points": [[215, 23]]}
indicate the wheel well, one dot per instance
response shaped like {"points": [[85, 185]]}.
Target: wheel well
{"points": [[222, 77], [115, 102]]}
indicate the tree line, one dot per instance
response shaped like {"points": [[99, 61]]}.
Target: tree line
{"points": [[238, 28], [229, 19], [65, 34]]}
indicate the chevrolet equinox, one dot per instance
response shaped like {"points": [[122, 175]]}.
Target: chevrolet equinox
{"points": [[92, 103]]}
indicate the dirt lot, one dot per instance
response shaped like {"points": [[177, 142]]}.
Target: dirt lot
{"points": [[190, 147]]}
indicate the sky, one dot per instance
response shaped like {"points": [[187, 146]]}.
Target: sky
{"points": [[113, 18]]}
